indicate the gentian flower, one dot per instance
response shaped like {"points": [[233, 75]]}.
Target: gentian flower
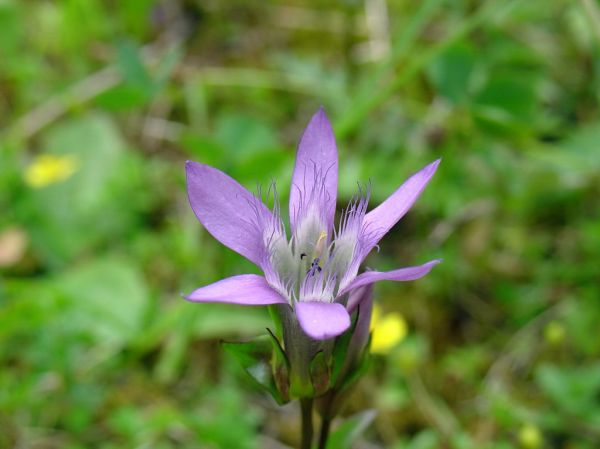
{"points": [[314, 274]]}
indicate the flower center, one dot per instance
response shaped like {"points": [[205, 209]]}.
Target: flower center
{"points": [[313, 264]]}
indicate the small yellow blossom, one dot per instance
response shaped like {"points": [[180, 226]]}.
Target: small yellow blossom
{"points": [[48, 169], [387, 330], [530, 437], [554, 332]]}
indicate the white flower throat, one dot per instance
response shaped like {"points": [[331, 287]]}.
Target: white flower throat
{"points": [[314, 264]]}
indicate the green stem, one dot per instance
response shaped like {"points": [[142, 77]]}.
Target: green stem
{"points": [[306, 406], [324, 434], [326, 409]]}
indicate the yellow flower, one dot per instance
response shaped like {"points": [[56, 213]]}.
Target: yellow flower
{"points": [[47, 169], [554, 332], [387, 330], [530, 436]]}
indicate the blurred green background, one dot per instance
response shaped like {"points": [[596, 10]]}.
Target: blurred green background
{"points": [[102, 101]]}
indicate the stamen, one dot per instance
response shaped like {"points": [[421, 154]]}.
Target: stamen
{"points": [[317, 261], [320, 245]]}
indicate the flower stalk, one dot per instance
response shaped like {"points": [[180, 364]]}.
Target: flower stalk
{"points": [[324, 432], [306, 409]]}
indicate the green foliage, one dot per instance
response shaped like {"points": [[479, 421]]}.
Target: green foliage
{"points": [[573, 391], [97, 347], [255, 357], [98, 204], [350, 430]]}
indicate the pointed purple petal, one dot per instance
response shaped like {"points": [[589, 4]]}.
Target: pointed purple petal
{"points": [[227, 210], [322, 320], [402, 274], [381, 219], [361, 299], [245, 289], [315, 171], [357, 296]]}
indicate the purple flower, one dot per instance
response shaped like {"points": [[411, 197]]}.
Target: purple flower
{"points": [[314, 272]]}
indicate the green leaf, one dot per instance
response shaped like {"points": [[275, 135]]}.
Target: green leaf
{"points": [[225, 420], [203, 148], [573, 389], [508, 100], [340, 352], [426, 439], [576, 159], [254, 356], [451, 72], [350, 430], [106, 299], [357, 372], [122, 98], [244, 135], [132, 68], [139, 85], [97, 204]]}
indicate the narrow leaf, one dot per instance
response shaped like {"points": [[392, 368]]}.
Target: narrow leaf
{"points": [[350, 430], [254, 356]]}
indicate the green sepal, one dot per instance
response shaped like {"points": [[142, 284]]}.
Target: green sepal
{"points": [[341, 390], [276, 318], [320, 373], [300, 386], [255, 357], [356, 373], [340, 351], [280, 368]]}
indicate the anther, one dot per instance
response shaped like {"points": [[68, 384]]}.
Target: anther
{"points": [[314, 267], [320, 245]]}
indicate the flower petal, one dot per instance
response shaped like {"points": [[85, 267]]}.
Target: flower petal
{"points": [[227, 210], [381, 219], [245, 289], [357, 296], [402, 274], [315, 172], [361, 299], [322, 320]]}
